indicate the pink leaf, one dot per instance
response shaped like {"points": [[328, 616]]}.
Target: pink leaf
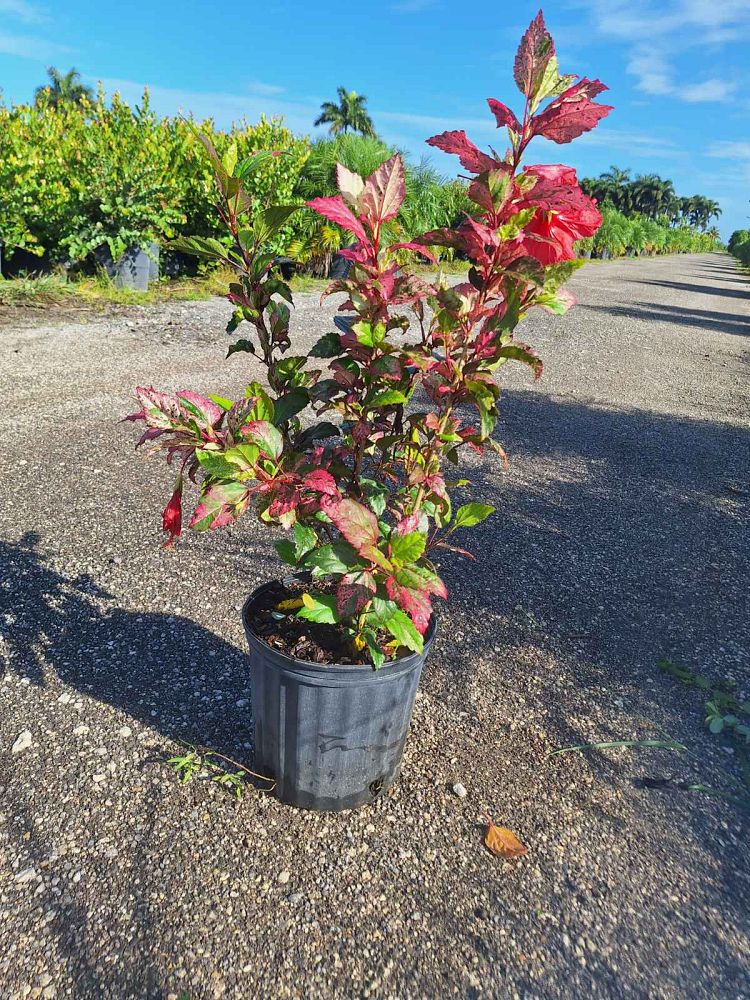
{"points": [[384, 191], [357, 524], [414, 602], [534, 52], [469, 155], [210, 413], [572, 113], [503, 115], [415, 246], [336, 211], [321, 481]]}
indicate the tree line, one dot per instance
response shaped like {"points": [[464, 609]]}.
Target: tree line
{"points": [[651, 196]]}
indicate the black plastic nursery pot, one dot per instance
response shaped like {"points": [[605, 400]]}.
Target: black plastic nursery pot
{"points": [[331, 735]]}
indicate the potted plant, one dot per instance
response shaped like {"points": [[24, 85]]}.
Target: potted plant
{"points": [[351, 461]]}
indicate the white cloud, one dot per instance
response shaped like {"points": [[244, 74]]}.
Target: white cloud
{"points": [[28, 47], [655, 76], [726, 149], [658, 31], [23, 11]]}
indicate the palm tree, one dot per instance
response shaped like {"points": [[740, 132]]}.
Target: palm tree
{"points": [[63, 88], [349, 114]]}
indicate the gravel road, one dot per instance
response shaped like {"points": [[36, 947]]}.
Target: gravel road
{"points": [[621, 538]]}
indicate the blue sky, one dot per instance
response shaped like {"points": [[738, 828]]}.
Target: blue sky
{"points": [[678, 71]]}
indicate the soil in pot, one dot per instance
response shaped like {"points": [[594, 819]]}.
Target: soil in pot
{"points": [[280, 628]]}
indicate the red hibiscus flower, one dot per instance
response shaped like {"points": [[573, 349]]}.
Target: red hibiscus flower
{"points": [[564, 214]]}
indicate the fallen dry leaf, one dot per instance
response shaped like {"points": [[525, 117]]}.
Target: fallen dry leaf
{"points": [[503, 842], [290, 605]]}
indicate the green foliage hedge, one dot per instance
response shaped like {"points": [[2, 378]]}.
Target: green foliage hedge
{"points": [[619, 235], [739, 246], [76, 177]]}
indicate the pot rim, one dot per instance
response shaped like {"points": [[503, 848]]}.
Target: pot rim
{"points": [[361, 669]]}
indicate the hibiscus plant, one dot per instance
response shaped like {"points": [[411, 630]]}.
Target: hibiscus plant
{"points": [[346, 447]]}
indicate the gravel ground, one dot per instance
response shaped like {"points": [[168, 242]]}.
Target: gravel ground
{"points": [[621, 538]]}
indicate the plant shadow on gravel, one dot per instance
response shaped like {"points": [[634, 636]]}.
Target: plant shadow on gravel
{"points": [[704, 319], [163, 670], [616, 542]]}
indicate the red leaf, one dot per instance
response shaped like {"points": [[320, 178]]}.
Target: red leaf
{"points": [[171, 518], [210, 412], [503, 115], [336, 211], [415, 603], [321, 481], [384, 191], [442, 238], [353, 593], [571, 114], [357, 524], [469, 155], [415, 246], [534, 52]]}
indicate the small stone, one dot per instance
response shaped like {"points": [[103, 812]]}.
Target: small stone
{"points": [[65, 698], [98, 778], [283, 877], [80, 730], [296, 898], [45, 980], [459, 790], [242, 703], [26, 875], [23, 742], [125, 731]]}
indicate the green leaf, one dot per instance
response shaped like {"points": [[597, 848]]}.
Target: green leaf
{"points": [[216, 465], [270, 220], [267, 437], [471, 514], [369, 335], [377, 654], [304, 540], [243, 457], [241, 346], [320, 609], [408, 548], [716, 725], [263, 408], [286, 550], [316, 433], [390, 397], [222, 401], [404, 631], [251, 163], [334, 559], [328, 346], [208, 248], [382, 609], [290, 404]]}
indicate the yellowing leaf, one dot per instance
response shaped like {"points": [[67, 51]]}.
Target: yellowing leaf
{"points": [[359, 642], [308, 601], [503, 842], [290, 605]]}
